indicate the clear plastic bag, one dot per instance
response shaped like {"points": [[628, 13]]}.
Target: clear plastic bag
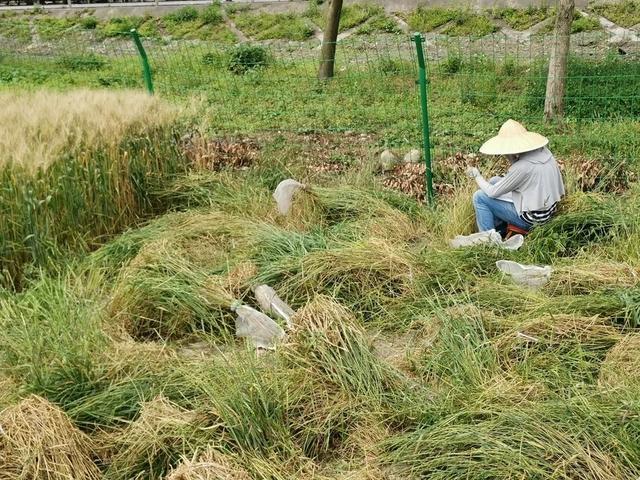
{"points": [[284, 192], [257, 327], [531, 276], [270, 302]]}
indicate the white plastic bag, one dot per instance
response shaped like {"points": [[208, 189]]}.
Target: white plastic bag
{"points": [[270, 302], [284, 192], [490, 236], [531, 276], [258, 328]]}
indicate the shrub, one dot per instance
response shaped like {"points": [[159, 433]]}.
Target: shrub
{"points": [[394, 66], [182, 15], [89, 23], [452, 64], [213, 59], [381, 24], [211, 15], [244, 58], [80, 63], [585, 24], [117, 26]]}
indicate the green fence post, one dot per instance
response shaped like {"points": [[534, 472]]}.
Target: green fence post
{"points": [[146, 69], [426, 140]]}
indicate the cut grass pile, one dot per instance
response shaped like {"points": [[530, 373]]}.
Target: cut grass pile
{"points": [[39, 441]]}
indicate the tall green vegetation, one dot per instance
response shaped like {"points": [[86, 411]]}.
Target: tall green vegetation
{"points": [[77, 168]]}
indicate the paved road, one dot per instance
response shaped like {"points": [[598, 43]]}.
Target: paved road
{"points": [[163, 3]]}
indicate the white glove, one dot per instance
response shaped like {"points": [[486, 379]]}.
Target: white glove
{"points": [[472, 172]]}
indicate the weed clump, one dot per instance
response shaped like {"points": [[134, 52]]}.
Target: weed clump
{"points": [[245, 58], [82, 62], [185, 14]]}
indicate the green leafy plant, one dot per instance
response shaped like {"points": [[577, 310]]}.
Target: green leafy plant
{"points": [[89, 23], [185, 14], [245, 58]]}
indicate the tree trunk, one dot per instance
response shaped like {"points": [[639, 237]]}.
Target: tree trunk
{"points": [[329, 39], [557, 77]]}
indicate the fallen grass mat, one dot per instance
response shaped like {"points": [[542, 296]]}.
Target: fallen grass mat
{"points": [[621, 367], [559, 439]]}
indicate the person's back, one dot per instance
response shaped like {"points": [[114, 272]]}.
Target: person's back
{"points": [[541, 184], [529, 193]]}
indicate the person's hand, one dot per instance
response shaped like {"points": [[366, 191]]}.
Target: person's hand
{"points": [[472, 172]]}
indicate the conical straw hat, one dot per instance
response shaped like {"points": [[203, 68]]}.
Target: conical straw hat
{"points": [[511, 139]]}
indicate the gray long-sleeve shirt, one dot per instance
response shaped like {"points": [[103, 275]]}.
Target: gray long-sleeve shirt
{"points": [[534, 181]]}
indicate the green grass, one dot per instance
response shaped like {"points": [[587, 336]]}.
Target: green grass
{"points": [[579, 24], [192, 24], [351, 16], [521, 19], [428, 19], [265, 26], [585, 24], [459, 22], [50, 28], [119, 26], [379, 24], [16, 29], [625, 13], [471, 24]]}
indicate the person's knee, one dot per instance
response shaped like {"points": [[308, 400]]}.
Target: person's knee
{"points": [[494, 180], [479, 197]]}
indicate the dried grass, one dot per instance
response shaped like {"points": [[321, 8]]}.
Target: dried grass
{"points": [[584, 278], [39, 442], [157, 439], [321, 314], [216, 154], [621, 366], [210, 465], [459, 215], [554, 330], [37, 128]]}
